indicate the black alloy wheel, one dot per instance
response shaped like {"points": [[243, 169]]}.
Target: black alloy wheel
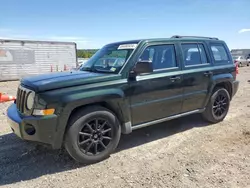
{"points": [[220, 105], [95, 136], [217, 106]]}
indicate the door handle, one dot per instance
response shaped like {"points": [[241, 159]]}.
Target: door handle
{"points": [[174, 78], [208, 73]]}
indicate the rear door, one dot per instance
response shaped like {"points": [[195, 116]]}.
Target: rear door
{"points": [[159, 94], [197, 75]]}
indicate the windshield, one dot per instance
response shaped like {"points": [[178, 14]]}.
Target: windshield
{"points": [[235, 57], [110, 58]]}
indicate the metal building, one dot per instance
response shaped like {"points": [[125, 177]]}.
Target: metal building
{"points": [[21, 58], [241, 52]]}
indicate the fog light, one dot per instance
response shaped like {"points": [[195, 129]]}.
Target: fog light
{"points": [[29, 129]]}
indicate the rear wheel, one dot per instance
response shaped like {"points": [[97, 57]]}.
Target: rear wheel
{"points": [[218, 106], [93, 135]]}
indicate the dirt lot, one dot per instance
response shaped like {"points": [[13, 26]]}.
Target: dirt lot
{"points": [[181, 153]]}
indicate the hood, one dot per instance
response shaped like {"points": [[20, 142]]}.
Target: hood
{"points": [[58, 80]]}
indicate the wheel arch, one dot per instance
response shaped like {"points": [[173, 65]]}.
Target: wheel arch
{"points": [[111, 106], [111, 99], [220, 81], [226, 85]]}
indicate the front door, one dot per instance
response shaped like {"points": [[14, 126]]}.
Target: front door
{"points": [[159, 94]]}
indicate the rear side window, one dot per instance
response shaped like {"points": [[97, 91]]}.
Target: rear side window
{"points": [[194, 54], [220, 53]]}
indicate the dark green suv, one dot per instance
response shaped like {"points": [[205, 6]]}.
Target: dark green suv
{"points": [[152, 81]]}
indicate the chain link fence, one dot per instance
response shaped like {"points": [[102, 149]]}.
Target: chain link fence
{"points": [[9, 88]]}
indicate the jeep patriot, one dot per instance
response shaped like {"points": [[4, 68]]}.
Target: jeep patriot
{"points": [[123, 87]]}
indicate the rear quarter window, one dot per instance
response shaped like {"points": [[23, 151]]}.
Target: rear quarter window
{"points": [[220, 54]]}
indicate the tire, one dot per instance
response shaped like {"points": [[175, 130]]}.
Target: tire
{"points": [[85, 142], [217, 111], [240, 64]]}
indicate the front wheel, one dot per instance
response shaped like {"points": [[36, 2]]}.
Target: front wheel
{"points": [[93, 135], [218, 106]]}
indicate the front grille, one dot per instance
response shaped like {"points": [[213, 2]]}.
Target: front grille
{"points": [[21, 98]]}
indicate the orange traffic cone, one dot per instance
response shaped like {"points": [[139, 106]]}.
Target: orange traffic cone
{"points": [[6, 98]]}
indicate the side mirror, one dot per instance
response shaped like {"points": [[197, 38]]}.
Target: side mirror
{"points": [[142, 67]]}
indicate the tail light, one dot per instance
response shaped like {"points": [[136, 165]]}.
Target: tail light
{"points": [[236, 68]]}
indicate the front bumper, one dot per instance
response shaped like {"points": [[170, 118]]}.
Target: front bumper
{"points": [[40, 129], [235, 87]]}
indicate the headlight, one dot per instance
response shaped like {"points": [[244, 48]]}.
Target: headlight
{"points": [[30, 100]]}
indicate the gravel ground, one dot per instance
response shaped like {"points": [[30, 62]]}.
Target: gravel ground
{"points": [[181, 153]]}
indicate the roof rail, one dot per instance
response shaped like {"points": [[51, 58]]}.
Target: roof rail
{"points": [[179, 36]]}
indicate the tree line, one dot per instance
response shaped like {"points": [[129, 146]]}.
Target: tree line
{"points": [[86, 53]]}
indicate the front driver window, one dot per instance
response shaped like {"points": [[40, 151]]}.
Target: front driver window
{"points": [[147, 55], [162, 56]]}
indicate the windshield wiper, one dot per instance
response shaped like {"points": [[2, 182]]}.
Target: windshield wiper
{"points": [[93, 69], [89, 69]]}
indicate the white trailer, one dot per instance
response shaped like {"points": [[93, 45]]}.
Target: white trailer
{"points": [[21, 58]]}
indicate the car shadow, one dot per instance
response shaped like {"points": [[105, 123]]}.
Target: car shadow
{"points": [[21, 160], [159, 131]]}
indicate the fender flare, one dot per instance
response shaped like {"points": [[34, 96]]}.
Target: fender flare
{"points": [[218, 79], [114, 97]]}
